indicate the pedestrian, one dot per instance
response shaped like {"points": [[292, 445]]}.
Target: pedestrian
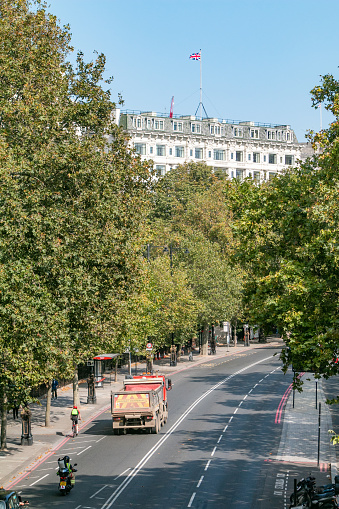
{"points": [[15, 410], [55, 385]]}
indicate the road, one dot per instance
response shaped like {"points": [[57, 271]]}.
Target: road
{"points": [[214, 451]]}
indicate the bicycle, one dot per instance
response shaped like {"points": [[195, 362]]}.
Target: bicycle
{"points": [[74, 428]]}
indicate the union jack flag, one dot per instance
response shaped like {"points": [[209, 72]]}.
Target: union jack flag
{"points": [[195, 56]]}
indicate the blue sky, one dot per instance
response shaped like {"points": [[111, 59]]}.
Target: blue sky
{"points": [[260, 58]]}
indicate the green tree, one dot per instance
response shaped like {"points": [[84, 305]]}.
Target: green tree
{"points": [[191, 210], [73, 202]]}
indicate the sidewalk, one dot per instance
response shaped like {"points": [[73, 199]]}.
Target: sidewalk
{"points": [[299, 435]]}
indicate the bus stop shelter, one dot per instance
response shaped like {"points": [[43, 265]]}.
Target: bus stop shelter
{"points": [[98, 366]]}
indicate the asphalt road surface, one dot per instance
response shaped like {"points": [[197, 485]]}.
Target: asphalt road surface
{"points": [[214, 451]]}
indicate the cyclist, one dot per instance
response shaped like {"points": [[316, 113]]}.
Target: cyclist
{"points": [[75, 417]]}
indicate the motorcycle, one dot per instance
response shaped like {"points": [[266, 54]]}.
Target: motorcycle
{"points": [[308, 495], [66, 478]]}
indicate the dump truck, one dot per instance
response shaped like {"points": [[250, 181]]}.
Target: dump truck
{"points": [[140, 404]]}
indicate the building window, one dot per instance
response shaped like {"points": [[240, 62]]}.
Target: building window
{"points": [[196, 128], [191, 152], [264, 159], [151, 150], [232, 174], [281, 160], [215, 129], [254, 133], [288, 136], [178, 126], [140, 148], [170, 151], [289, 160], [239, 156], [179, 151], [209, 153], [160, 169], [256, 176], [239, 174], [256, 157], [161, 150], [198, 153], [249, 157], [237, 131], [159, 125], [272, 158], [271, 135], [271, 175], [137, 122], [219, 155]]}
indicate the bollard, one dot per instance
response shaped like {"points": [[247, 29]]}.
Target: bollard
{"points": [[91, 397]]}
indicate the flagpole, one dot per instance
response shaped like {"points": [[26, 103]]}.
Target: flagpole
{"points": [[200, 86]]}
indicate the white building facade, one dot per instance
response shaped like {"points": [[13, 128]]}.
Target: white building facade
{"points": [[239, 149]]}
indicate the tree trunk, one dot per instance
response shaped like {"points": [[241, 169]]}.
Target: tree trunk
{"points": [[235, 334], [204, 340], [76, 397], [3, 422], [116, 370], [48, 405]]}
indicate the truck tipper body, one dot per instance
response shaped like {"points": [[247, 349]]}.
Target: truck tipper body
{"points": [[140, 404]]}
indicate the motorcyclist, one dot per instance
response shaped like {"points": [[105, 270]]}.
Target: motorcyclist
{"points": [[75, 417], [70, 468]]}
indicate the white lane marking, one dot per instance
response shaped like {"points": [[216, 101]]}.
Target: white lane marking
{"points": [[241, 402], [39, 480], [261, 380], [78, 507], [219, 439], [200, 481], [254, 386], [213, 452], [266, 375], [100, 439], [207, 465], [249, 392], [235, 411], [191, 500], [124, 472], [230, 419], [84, 450], [245, 397], [225, 428], [117, 492], [92, 496]]}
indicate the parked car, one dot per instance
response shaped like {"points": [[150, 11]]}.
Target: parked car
{"points": [[9, 499]]}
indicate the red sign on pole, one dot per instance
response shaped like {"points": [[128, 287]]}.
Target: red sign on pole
{"points": [[149, 346]]}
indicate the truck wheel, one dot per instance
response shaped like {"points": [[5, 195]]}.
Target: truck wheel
{"points": [[155, 429], [116, 431]]}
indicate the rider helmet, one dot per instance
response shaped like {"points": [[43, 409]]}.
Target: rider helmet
{"points": [[66, 459], [75, 407]]}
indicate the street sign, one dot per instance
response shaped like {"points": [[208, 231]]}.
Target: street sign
{"points": [[149, 346], [90, 363], [226, 326]]}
